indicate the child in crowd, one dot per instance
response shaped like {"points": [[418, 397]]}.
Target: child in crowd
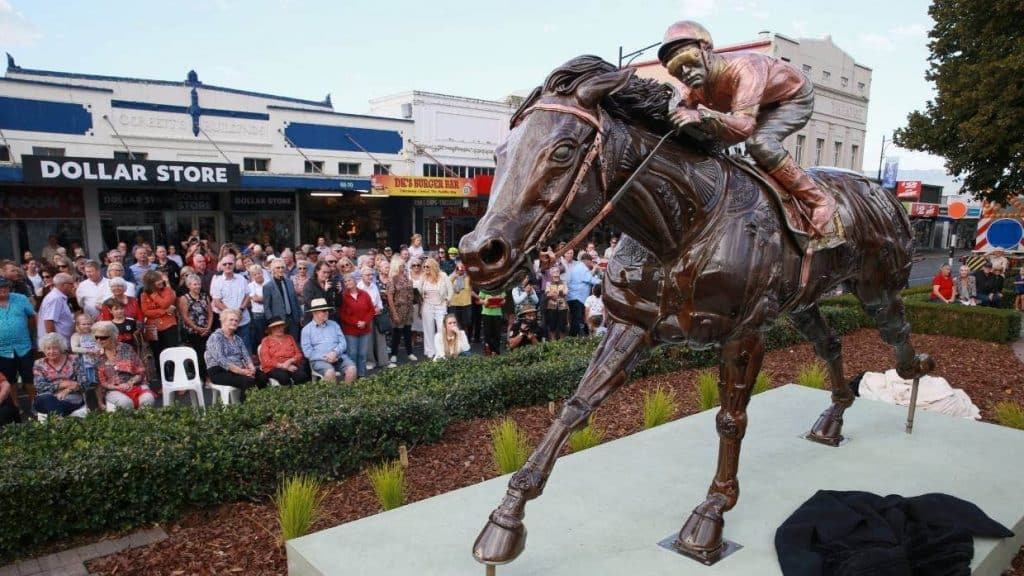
{"points": [[84, 345], [126, 327]]}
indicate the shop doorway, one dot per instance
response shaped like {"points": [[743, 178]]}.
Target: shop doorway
{"points": [[171, 227]]}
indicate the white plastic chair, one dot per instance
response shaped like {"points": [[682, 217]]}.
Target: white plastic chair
{"points": [[178, 356], [224, 393]]}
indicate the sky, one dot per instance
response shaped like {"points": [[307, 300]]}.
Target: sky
{"points": [[357, 50]]}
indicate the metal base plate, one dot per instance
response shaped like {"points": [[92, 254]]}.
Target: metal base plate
{"points": [[846, 440], [728, 547]]}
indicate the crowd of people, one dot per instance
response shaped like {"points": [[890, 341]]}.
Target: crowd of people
{"points": [[74, 329], [981, 288]]}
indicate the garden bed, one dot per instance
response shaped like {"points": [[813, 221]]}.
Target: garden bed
{"points": [[243, 537]]}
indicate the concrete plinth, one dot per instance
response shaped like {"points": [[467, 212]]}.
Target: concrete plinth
{"points": [[605, 510]]}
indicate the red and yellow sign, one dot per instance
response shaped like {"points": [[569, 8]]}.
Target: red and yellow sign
{"points": [[424, 186]]}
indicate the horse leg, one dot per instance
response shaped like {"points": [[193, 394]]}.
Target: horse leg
{"points": [[504, 536], [701, 535], [886, 308], [829, 427]]}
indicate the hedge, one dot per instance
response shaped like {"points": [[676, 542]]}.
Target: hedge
{"points": [[121, 470]]}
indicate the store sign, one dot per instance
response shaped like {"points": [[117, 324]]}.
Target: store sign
{"points": [[424, 186], [259, 201], [117, 200], [908, 189], [922, 210], [108, 172], [41, 203]]}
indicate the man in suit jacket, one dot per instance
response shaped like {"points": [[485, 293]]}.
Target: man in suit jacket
{"points": [[279, 298]]}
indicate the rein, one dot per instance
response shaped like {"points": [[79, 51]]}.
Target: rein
{"points": [[596, 151]]}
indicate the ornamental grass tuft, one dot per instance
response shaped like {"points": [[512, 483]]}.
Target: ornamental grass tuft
{"points": [[707, 389], [813, 375], [587, 437], [509, 446], [388, 481], [763, 382], [1010, 414], [659, 407], [298, 502]]}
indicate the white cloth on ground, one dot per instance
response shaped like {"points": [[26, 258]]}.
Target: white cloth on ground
{"points": [[934, 394]]}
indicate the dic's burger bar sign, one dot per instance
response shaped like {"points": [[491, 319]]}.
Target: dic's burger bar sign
{"points": [[133, 173]]}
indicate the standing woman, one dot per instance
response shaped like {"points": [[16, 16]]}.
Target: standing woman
{"points": [[436, 291], [227, 356], [323, 286], [300, 278], [158, 306], [356, 315], [197, 317], [416, 247], [16, 357], [399, 300]]}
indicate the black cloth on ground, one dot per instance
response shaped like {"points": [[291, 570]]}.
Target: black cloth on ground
{"points": [[858, 533]]}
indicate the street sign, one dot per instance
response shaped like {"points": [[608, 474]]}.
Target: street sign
{"points": [[956, 209]]}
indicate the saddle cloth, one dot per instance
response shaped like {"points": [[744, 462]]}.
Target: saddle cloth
{"points": [[796, 219]]}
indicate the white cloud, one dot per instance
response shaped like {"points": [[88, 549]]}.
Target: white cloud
{"points": [[911, 30], [15, 29], [875, 41], [750, 8], [694, 9]]}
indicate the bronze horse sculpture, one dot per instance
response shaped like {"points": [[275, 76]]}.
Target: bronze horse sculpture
{"points": [[704, 259]]}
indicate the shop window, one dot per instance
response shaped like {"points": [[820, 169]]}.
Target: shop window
{"points": [[807, 69], [837, 151], [854, 151], [314, 167], [125, 157], [801, 142], [844, 81], [256, 165], [381, 169], [5, 154], [52, 152], [860, 86], [348, 168], [819, 147], [826, 75]]}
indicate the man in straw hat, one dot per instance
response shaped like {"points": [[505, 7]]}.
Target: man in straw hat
{"points": [[324, 344]]}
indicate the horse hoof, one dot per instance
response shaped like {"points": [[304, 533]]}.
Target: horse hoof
{"points": [[497, 544], [827, 430], [924, 364], [701, 536]]}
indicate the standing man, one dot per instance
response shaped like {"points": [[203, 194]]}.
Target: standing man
{"points": [[279, 298], [54, 313], [169, 268], [229, 290], [93, 290], [142, 263], [580, 277], [200, 263]]}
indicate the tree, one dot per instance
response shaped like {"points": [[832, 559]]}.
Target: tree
{"points": [[976, 121]]}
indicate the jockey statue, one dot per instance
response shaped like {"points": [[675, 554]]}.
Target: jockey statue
{"points": [[751, 97]]}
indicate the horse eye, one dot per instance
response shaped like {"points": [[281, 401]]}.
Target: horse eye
{"points": [[562, 153]]}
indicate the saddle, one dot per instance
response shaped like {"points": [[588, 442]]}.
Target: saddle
{"points": [[797, 221]]}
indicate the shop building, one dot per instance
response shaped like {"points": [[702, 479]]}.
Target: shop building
{"points": [[96, 159], [834, 136], [452, 138]]}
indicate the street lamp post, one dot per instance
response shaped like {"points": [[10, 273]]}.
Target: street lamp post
{"points": [[634, 54], [881, 158]]}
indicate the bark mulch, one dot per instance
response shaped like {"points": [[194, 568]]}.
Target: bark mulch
{"points": [[243, 537]]}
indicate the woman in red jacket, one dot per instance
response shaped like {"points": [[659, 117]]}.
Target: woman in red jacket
{"points": [[159, 310], [356, 314]]}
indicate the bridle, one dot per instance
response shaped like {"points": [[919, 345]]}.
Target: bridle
{"points": [[596, 151]]}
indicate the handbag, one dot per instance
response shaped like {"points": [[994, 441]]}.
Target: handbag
{"points": [[383, 322], [150, 332]]}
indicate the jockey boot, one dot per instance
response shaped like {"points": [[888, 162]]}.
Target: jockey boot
{"points": [[819, 205]]}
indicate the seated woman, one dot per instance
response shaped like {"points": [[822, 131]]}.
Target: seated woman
{"points": [[57, 377], [965, 289], [227, 357], [452, 341], [280, 356], [8, 409], [942, 286], [122, 374]]}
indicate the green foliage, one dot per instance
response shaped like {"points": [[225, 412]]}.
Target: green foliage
{"points": [[763, 383], [659, 407], [298, 502], [813, 375], [1010, 414], [975, 322], [707, 390], [388, 481], [586, 437], [509, 446], [975, 121]]}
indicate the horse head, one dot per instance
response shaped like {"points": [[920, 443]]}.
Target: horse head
{"points": [[548, 169]]}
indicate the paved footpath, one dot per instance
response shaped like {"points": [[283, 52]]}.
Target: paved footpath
{"points": [[72, 562]]}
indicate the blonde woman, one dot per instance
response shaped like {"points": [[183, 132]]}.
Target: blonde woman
{"points": [[436, 291], [451, 341]]}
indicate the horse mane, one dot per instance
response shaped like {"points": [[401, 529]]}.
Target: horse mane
{"points": [[641, 101]]}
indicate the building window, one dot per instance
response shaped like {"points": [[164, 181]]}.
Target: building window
{"points": [[860, 86], [314, 167], [819, 147], [381, 169], [801, 141], [844, 81], [458, 171], [854, 150], [348, 168], [826, 75], [125, 157], [52, 152], [836, 152], [5, 154], [256, 164], [807, 69]]}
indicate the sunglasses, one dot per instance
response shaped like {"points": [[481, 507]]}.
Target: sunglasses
{"points": [[62, 266], [332, 262], [102, 337], [47, 277]]}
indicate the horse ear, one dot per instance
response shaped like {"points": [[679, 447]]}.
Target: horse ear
{"points": [[592, 91]]}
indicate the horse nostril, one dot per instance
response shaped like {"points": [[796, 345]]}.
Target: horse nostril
{"points": [[493, 252]]}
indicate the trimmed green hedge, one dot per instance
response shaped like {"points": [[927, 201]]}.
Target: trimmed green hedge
{"points": [[116, 471]]}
